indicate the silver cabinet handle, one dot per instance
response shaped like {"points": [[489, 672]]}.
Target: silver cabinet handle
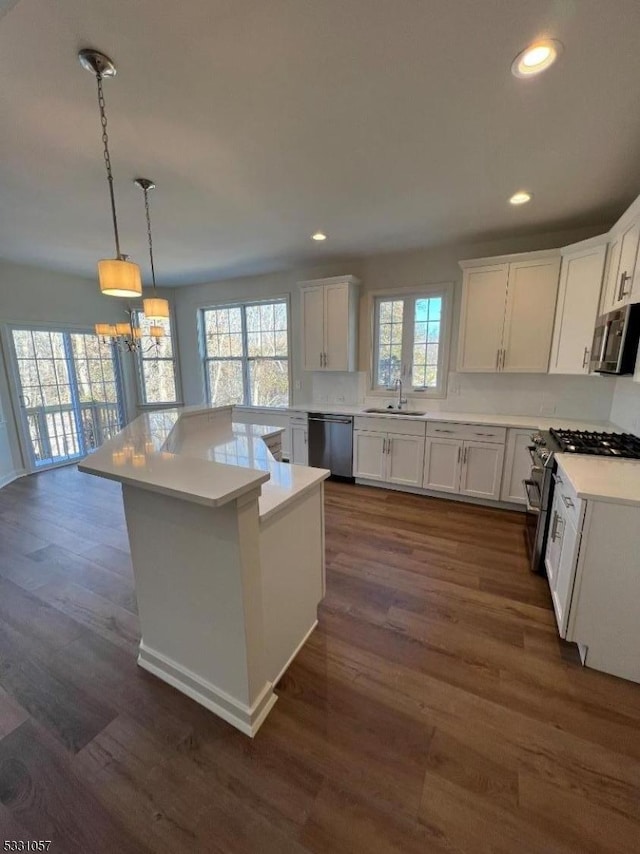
{"points": [[567, 501], [440, 430], [558, 479], [554, 526], [497, 360], [459, 452], [585, 357], [320, 359], [621, 290], [384, 445], [325, 360], [464, 455], [504, 354], [389, 441], [484, 434]]}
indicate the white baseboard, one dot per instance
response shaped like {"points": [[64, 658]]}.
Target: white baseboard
{"points": [[248, 719], [6, 479], [448, 496], [294, 653]]}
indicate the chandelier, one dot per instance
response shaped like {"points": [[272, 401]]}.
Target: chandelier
{"points": [[118, 277]]}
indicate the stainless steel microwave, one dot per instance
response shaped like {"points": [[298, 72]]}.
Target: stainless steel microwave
{"points": [[615, 341]]}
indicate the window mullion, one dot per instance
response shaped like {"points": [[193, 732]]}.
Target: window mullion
{"points": [[408, 322], [246, 387]]}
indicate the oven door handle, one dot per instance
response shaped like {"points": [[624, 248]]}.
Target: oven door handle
{"points": [[531, 508]]}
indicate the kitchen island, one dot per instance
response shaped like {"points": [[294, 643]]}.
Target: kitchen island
{"points": [[227, 545]]}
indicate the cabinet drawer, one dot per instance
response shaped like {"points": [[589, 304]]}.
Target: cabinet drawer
{"points": [[566, 493], [468, 432], [390, 424]]}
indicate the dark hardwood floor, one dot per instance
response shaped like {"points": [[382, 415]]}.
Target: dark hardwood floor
{"points": [[433, 710]]}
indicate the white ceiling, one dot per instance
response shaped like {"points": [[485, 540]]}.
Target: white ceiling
{"points": [[387, 123]]}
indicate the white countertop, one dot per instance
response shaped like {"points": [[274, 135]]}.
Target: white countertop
{"points": [[602, 478], [199, 455], [534, 422]]}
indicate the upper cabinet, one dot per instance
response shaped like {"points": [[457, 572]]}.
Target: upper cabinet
{"points": [[581, 276], [508, 308], [623, 271], [329, 328]]}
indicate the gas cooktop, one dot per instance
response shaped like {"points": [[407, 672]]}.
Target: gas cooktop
{"points": [[599, 444]]}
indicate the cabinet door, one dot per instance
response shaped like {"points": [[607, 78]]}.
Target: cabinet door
{"points": [[312, 301], [482, 318], [517, 466], [562, 592], [554, 542], [369, 457], [530, 311], [405, 459], [610, 291], [336, 327], [627, 265], [577, 310], [481, 469], [442, 461], [299, 445]]}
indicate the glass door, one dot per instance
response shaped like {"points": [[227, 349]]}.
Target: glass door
{"points": [[69, 391]]}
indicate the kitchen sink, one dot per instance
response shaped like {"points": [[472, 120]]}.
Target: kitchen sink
{"points": [[394, 412]]}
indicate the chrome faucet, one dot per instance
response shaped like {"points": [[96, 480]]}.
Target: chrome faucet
{"points": [[401, 400]]}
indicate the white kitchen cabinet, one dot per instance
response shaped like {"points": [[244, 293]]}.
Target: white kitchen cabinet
{"points": [[563, 543], [442, 462], [390, 457], [622, 285], [405, 459], [581, 275], [271, 417], [507, 314], [299, 444], [482, 318], [369, 455], [481, 470], [517, 465], [329, 324], [469, 467]]}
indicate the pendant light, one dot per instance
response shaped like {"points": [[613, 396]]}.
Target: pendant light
{"points": [[155, 307], [117, 276]]}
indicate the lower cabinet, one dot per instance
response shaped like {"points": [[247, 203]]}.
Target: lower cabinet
{"points": [[389, 457], [464, 467], [561, 558], [300, 444], [517, 465], [442, 462]]}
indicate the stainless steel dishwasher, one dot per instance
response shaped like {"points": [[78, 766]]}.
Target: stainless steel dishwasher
{"points": [[331, 443]]}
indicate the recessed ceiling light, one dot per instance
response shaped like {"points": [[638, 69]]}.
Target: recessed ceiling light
{"points": [[520, 198], [536, 58], [319, 235]]}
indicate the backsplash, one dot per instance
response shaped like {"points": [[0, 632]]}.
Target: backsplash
{"points": [[625, 409], [585, 398]]}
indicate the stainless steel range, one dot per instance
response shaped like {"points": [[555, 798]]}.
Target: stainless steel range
{"points": [[539, 485]]}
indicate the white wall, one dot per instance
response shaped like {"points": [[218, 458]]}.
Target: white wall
{"points": [[33, 295], [625, 409], [583, 397]]}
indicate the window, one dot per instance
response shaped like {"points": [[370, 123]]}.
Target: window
{"points": [[156, 363], [409, 341], [246, 353]]}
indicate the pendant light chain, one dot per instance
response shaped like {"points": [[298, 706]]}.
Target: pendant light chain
{"points": [[107, 161], [148, 215]]}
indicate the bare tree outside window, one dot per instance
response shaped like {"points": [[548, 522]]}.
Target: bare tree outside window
{"points": [[156, 363], [246, 351]]}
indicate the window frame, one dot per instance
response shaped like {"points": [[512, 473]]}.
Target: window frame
{"points": [[143, 403], [444, 290], [245, 359]]}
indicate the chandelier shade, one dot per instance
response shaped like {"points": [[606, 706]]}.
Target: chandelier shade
{"points": [[156, 331], [119, 278], [155, 308]]}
